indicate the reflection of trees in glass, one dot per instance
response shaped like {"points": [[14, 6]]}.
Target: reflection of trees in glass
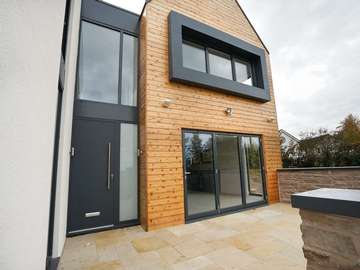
{"points": [[253, 162], [197, 146]]}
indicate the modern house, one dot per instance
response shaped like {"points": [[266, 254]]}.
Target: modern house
{"points": [[112, 119]]}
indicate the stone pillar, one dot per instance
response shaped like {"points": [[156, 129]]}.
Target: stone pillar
{"points": [[330, 228], [330, 241]]}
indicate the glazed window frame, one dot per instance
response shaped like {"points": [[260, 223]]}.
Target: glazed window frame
{"points": [[183, 29]]}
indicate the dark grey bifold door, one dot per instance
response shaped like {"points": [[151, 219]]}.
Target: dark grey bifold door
{"points": [[92, 175]]}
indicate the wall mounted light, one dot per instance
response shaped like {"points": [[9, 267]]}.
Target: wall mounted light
{"points": [[166, 102], [229, 111]]}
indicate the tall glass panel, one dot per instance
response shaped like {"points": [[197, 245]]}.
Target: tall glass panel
{"points": [[252, 169], [128, 172], [98, 64], [129, 71], [228, 166], [199, 173], [220, 65]]}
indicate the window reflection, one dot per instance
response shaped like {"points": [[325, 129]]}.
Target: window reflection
{"points": [[220, 65], [194, 57], [243, 72], [252, 169], [129, 71], [98, 64], [199, 173]]}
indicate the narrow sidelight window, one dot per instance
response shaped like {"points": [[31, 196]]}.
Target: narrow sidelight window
{"points": [[220, 64], [129, 71], [243, 72], [98, 64], [128, 172], [194, 57]]}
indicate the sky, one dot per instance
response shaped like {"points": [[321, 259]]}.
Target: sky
{"points": [[315, 58]]}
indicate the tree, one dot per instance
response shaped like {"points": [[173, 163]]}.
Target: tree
{"points": [[327, 149]]}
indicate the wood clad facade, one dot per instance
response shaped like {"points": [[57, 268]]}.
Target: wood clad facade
{"points": [[161, 161]]}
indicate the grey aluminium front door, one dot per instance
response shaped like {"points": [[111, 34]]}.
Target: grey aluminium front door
{"points": [[93, 175]]}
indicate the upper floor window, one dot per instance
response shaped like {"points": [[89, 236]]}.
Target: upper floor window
{"points": [[99, 77], [243, 72], [129, 71], [207, 57], [194, 56], [220, 64]]}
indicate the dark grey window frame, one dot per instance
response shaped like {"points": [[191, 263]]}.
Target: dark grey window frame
{"points": [[238, 48], [106, 15], [233, 209], [101, 110]]}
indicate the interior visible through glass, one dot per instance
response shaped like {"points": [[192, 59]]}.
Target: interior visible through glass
{"points": [[228, 170], [98, 64], [199, 173], [253, 179], [128, 172], [243, 72], [220, 66], [129, 71], [193, 57]]}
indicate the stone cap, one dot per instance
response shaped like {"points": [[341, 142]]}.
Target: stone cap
{"points": [[345, 202]]}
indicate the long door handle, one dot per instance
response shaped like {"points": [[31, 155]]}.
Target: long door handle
{"points": [[109, 167]]}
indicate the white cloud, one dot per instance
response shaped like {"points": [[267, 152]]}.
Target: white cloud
{"points": [[315, 54]]}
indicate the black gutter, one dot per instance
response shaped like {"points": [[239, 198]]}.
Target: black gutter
{"points": [[143, 9]]}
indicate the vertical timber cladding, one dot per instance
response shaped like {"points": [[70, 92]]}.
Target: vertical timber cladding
{"points": [[161, 169]]}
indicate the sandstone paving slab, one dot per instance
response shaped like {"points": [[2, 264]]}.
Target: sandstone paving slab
{"points": [[251, 240]]}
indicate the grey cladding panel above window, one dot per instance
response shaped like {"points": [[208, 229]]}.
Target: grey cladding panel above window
{"points": [[219, 73]]}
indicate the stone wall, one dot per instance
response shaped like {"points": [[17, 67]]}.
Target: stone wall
{"points": [[330, 241], [304, 179]]}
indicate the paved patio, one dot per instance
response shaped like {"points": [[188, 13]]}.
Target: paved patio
{"points": [[265, 238]]}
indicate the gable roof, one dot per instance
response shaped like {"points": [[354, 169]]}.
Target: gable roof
{"points": [[246, 17]]}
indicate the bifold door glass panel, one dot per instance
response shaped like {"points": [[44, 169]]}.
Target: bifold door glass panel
{"points": [[228, 170], [252, 169], [194, 57], [98, 76], [220, 65], [129, 71], [199, 173], [243, 72], [128, 172], [221, 170]]}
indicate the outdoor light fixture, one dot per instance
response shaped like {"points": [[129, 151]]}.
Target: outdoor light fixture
{"points": [[166, 102], [229, 111], [270, 120]]}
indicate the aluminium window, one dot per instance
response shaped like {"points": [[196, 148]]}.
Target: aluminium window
{"points": [[107, 70], [243, 72], [220, 64], [204, 56], [194, 56]]}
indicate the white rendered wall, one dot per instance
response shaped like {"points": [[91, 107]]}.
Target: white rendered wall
{"points": [[30, 49], [65, 130]]}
